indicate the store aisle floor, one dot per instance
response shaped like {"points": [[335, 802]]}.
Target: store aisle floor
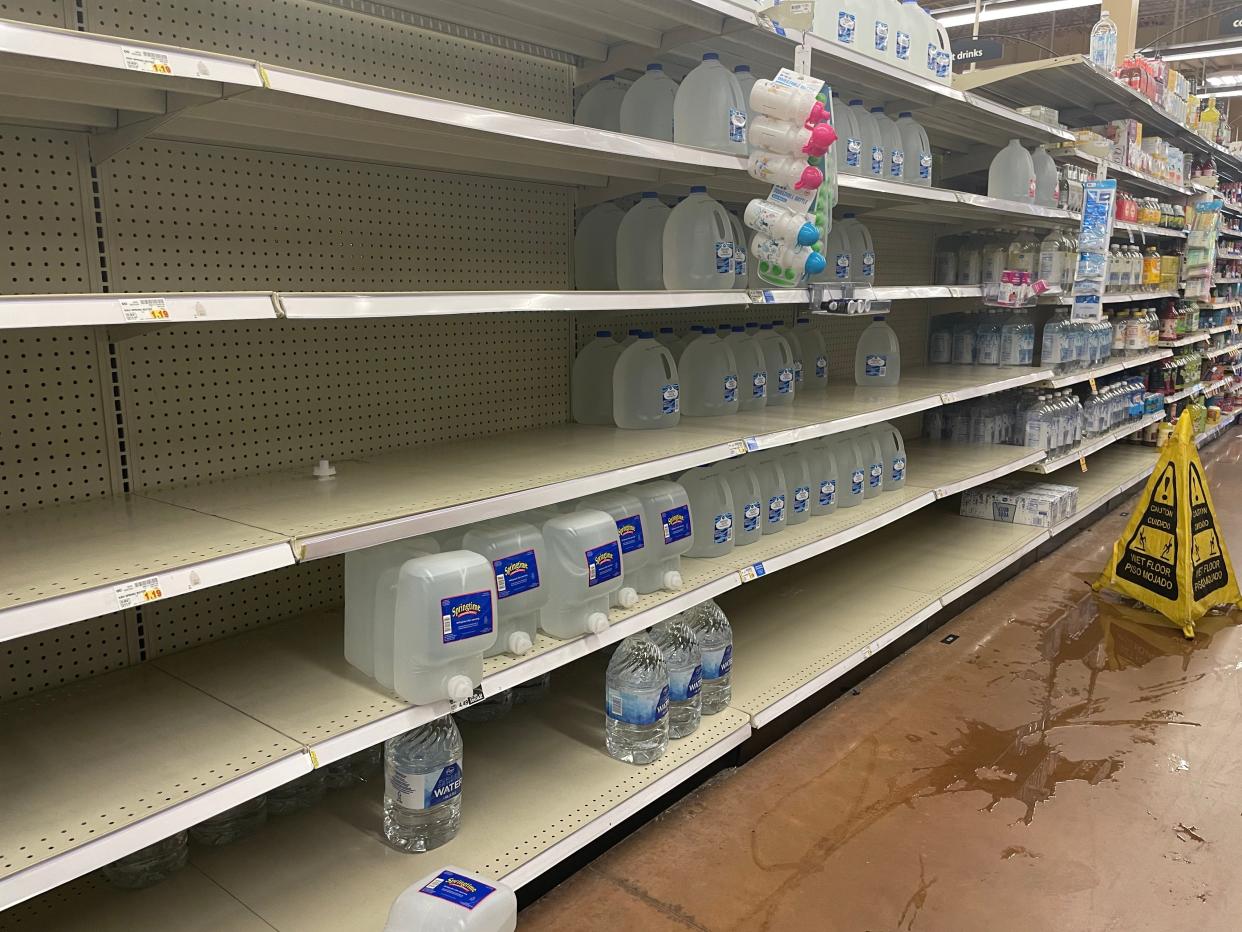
{"points": [[1061, 766]]}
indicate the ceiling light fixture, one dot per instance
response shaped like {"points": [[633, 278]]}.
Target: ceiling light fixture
{"points": [[1233, 93], [1010, 10], [1200, 53]]}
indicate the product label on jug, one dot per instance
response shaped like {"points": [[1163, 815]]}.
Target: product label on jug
{"points": [[724, 257], [856, 482], [603, 563], [465, 616], [797, 368], [801, 499], [821, 367], [676, 523], [868, 264], [722, 528], [925, 164], [881, 36], [739, 259], [841, 266], [516, 573], [750, 516], [463, 891], [827, 493], [846, 26], [903, 46], [718, 662], [877, 474], [630, 533], [776, 509], [669, 395], [897, 163], [685, 684], [785, 380], [877, 160], [424, 790], [636, 708], [853, 152], [737, 125], [759, 384], [899, 468], [943, 63], [875, 365], [730, 389]]}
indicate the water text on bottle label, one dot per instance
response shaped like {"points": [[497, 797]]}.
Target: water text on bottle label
{"points": [[759, 384], [466, 616], [603, 563], [636, 708], [899, 468], [516, 573], [717, 662], [881, 36], [750, 516], [676, 524], [801, 498], [730, 389], [876, 365], [785, 381], [684, 684], [856, 481], [776, 509], [821, 367], [630, 533], [853, 152], [722, 528], [827, 493], [462, 891], [846, 25], [424, 790], [903, 46], [877, 474], [737, 125]]}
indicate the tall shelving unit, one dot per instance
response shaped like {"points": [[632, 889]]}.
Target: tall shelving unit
{"points": [[242, 239]]}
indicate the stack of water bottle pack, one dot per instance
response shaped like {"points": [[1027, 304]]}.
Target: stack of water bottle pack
{"points": [[1015, 500]]}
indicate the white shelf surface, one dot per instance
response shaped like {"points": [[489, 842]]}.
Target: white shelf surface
{"points": [[1222, 350], [1186, 340], [1184, 393], [1145, 229], [1223, 328], [1113, 365], [104, 309], [1129, 296], [1088, 447]]}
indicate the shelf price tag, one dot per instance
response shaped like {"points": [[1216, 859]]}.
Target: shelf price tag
{"points": [[148, 60], [752, 572], [1091, 382], [134, 310], [762, 297], [737, 448], [477, 696], [1082, 463], [138, 592]]}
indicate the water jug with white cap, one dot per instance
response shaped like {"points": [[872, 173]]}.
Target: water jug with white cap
{"points": [[666, 515], [645, 389], [515, 551], [582, 570], [647, 107], [371, 602], [709, 110], [590, 383], [626, 512], [711, 511]]}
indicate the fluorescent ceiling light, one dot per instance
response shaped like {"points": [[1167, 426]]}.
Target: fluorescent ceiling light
{"points": [[1010, 10], [1237, 93], [1225, 79], [1200, 53]]}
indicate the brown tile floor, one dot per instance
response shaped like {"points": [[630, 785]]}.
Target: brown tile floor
{"points": [[1062, 766]]}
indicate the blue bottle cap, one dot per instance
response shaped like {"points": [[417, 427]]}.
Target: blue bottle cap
{"points": [[808, 235], [698, 189], [736, 329], [604, 333], [765, 326], [655, 66], [778, 323], [856, 102], [609, 77], [650, 194], [877, 317], [804, 320], [815, 263], [635, 332], [850, 216], [711, 56], [741, 69], [877, 109], [723, 326], [666, 329], [752, 323], [906, 113], [646, 335]]}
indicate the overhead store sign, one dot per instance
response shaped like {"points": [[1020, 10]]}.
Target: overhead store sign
{"points": [[969, 51], [1231, 23]]}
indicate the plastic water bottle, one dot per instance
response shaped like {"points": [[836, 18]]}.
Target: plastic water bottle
{"points": [[874, 154], [584, 567], [909, 36], [697, 246], [752, 370], [645, 389], [843, 21], [797, 467], [877, 359], [595, 248], [825, 474], [890, 138], [708, 375], [1047, 178], [454, 900], [849, 146], [814, 355], [939, 61], [640, 245], [370, 602], [795, 347], [683, 659], [852, 470], [862, 249], [423, 785], [894, 448], [647, 107], [600, 107], [666, 515], [988, 340], [716, 647], [778, 222], [882, 29], [773, 490], [1104, 42], [591, 380], [515, 551], [636, 696], [626, 512], [1011, 176], [709, 110], [667, 336], [232, 824], [747, 501], [298, 794], [778, 360], [838, 257], [873, 459], [917, 149], [711, 511], [148, 866], [351, 770]]}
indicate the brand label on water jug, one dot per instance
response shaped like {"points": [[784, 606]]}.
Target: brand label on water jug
{"points": [[802, 498], [750, 516], [899, 468], [630, 533], [841, 266], [722, 528], [876, 365], [925, 164], [868, 263], [759, 384], [724, 257], [685, 684], [881, 36], [730, 388], [856, 482], [737, 125], [603, 563], [1030, 189], [669, 395], [465, 616], [932, 49], [717, 662], [634, 708], [827, 493], [846, 27], [463, 891], [776, 509], [821, 367], [676, 522], [943, 63], [877, 160], [897, 163], [424, 790], [516, 573], [797, 368], [902, 46], [853, 152], [785, 380], [739, 259], [877, 474]]}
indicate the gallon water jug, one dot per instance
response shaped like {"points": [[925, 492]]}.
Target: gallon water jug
{"points": [[778, 361], [627, 513], [595, 248], [909, 34], [773, 490], [371, 600], [849, 145], [797, 467], [709, 110], [1011, 175], [795, 347], [752, 370], [582, 570], [698, 245], [600, 107], [852, 470], [745, 81], [838, 257], [515, 551], [844, 21], [591, 380], [873, 452], [883, 28], [708, 375], [814, 355], [918, 153], [741, 268], [894, 448], [877, 360], [939, 62], [454, 900], [862, 249], [666, 514], [747, 500], [874, 155], [825, 474], [640, 245], [711, 511], [890, 139], [446, 622], [645, 390], [1047, 178], [647, 108], [668, 337]]}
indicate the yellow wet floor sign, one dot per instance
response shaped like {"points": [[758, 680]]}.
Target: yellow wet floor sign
{"points": [[1171, 557]]}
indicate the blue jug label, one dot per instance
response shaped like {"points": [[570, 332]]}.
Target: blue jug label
{"points": [[877, 160], [669, 395], [739, 259], [932, 49], [925, 164], [685, 684], [776, 509], [676, 523], [881, 36], [841, 266], [877, 474], [516, 573], [846, 27], [737, 125], [821, 367], [759, 384], [856, 482], [466, 616], [899, 468], [633, 708], [750, 516], [630, 533], [424, 790], [897, 163], [902, 46], [785, 381], [724, 257], [827, 493], [463, 891], [853, 152], [875, 365], [801, 499], [943, 63], [797, 368], [603, 563], [730, 389], [722, 528], [717, 662], [868, 264]]}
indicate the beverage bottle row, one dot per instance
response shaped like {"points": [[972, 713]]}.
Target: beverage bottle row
{"points": [[981, 258], [1027, 177], [900, 35], [1068, 345], [872, 144], [991, 337], [849, 253]]}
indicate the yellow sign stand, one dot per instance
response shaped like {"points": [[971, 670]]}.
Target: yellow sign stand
{"points": [[1171, 557]]}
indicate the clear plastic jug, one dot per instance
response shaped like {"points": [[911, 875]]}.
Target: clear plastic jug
{"points": [[849, 144], [778, 360], [1011, 176], [825, 476], [600, 106], [862, 249], [752, 370], [647, 107], [582, 570], [877, 359], [709, 110], [371, 600], [918, 152], [645, 390], [773, 490], [697, 246], [591, 380], [666, 514], [814, 355], [454, 900], [708, 375], [797, 467], [640, 245], [627, 513], [595, 248], [515, 551], [711, 511]]}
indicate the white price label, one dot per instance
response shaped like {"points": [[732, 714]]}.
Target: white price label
{"points": [[476, 696], [147, 60], [737, 448], [134, 310], [752, 572], [761, 297], [138, 592]]}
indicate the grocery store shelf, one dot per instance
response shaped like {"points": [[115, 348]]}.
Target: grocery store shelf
{"points": [[1210, 388], [1225, 255], [1226, 281], [1113, 365], [1183, 393], [98, 309], [1127, 297], [1146, 229], [432, 303], [1186, 340], [1052, 464], [1227, 420], [1223, 328], [1222, 350], [1220, 304], [1129, 179], [1110, 472], [1232, 234]]}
